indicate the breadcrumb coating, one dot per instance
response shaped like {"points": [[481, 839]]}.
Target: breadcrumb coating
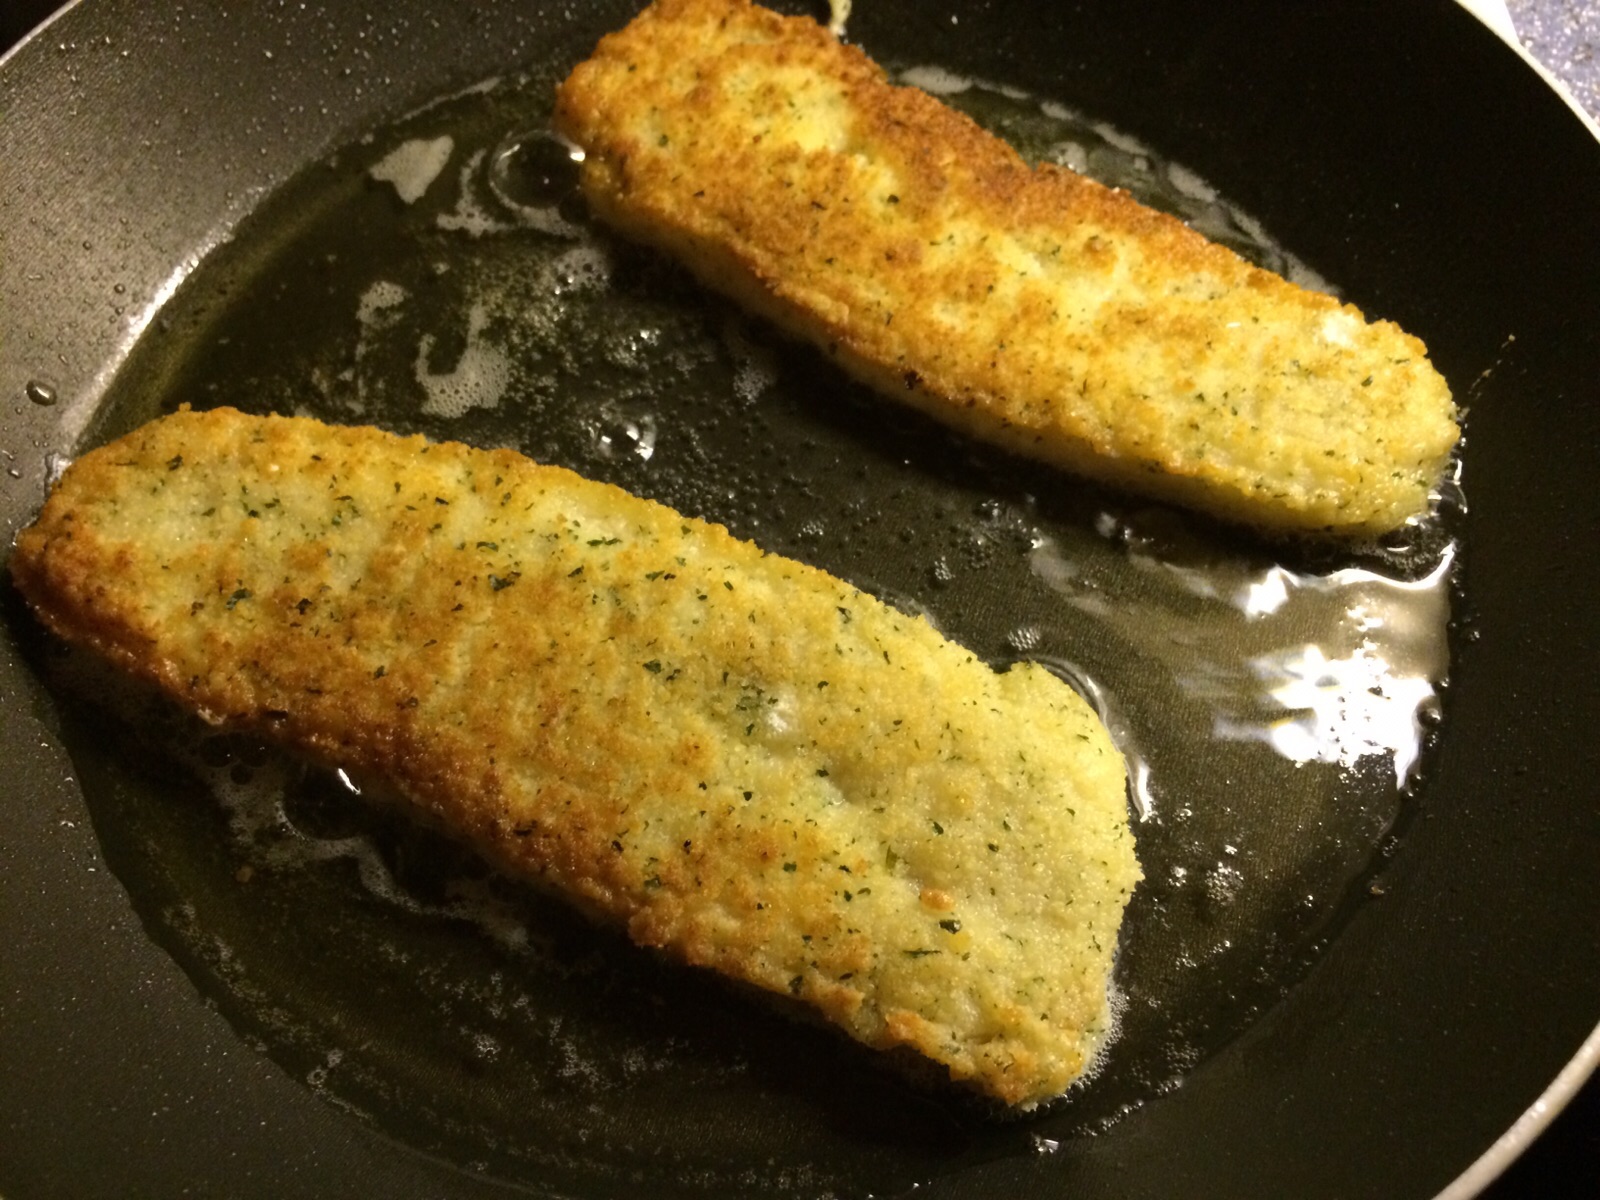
{"points": [[1028, 306], [740, 759]]}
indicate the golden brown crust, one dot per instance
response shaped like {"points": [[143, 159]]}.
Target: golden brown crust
{"points": [[1034, 308], [738, 758]]}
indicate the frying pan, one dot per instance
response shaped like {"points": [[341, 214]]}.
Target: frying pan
{"points": [[1398, 148]]}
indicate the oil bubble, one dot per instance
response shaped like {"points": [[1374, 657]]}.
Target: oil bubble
{"points": [[534, 170], [618, 436]]}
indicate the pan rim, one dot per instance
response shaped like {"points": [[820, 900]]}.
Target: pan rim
{"points": [[1530, 1126]]}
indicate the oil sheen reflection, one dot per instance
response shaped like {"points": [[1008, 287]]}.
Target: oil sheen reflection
{"points": [[1372, 697], [1329, 668]]}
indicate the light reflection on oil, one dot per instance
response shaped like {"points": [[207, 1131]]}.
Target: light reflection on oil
{"points": [[1330, 668], [1336, 711], [1369, 701]]}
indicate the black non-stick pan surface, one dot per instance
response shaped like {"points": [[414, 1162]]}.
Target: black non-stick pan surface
{"points": [[222, 975]]}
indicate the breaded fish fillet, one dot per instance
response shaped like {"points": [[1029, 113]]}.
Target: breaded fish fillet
{"points": [[740, 759], [1031, 307]]}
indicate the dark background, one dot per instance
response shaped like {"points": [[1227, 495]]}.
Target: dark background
{"points": [[19, 16], [1565, 1163]]}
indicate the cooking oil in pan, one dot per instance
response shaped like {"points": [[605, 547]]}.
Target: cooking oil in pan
{"points": [[442, 276]]}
